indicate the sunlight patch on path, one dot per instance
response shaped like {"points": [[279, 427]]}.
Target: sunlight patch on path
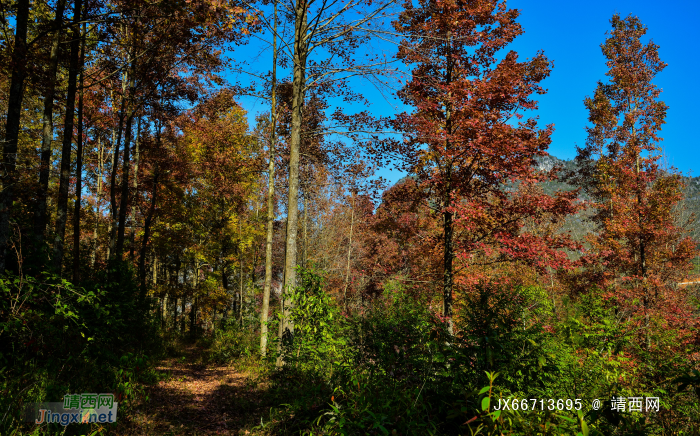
{"points": [[198, 400]]}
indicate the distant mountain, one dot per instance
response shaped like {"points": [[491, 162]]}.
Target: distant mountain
{"points": [[546, 163], [688, 208], [688, 211], [691, 202]]}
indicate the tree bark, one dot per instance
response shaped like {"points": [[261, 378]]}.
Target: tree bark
{"points": [[448, 275], [64, 180], [100, 167], [47, 132], [240, 276], [134, 187], [298, 85], [124, 200], [193, 309], [164, 312], [14, 113], [146, 237], [113, 176], [154, 270], [79, 168], [264, 313], [183, 324], [306, 228], [347, 270], [224, 276]]}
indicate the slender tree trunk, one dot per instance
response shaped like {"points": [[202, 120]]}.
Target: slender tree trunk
{"points": [[47, 132], [154, 270], [193, 317], [124, 200], [183, 324], [174, 317], [224, 277], [168, 287], [171, 300], [347, 269], [298, 84], [264, 313], [79, 168], [240, 262], [14, 113], [146, 236], [64, 181], [178, 266], [134, 187], [100, 168], [114, 211], [193, 310], [642, 266], [256, 258], [164, 313], [448, 275], [306, 233]]}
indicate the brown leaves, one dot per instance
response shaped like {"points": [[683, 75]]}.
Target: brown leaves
{"points": [[639, 252]]}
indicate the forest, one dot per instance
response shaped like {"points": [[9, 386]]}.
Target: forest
{"points": [[218, 270]]}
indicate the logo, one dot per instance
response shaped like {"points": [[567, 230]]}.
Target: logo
{"points": [[75, 409]]}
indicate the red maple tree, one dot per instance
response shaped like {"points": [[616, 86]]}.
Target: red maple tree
{"points": [[466, 140]]}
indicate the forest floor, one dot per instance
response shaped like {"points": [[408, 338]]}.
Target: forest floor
{"points": [[198, 399]]}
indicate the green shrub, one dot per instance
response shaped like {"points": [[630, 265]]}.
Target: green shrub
{"points": [[57, 338], [231, 342]]}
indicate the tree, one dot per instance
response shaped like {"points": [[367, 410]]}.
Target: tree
{"points": [[14, 112], [321, 50], [62, 204], [40, 212], [460, 141], [638, 251], [264, 312], [225, 165]]}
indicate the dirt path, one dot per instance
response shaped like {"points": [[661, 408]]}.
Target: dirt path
{"points": [[198, 400]]}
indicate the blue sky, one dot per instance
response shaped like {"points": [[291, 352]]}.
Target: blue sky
{"points": [[570, 34]]}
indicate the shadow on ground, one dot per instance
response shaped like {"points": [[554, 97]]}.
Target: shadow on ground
{"points": [[199, 400]]}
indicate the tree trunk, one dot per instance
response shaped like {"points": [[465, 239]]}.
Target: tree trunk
{"points": [[171, 300], [448, 275], [113, 211], [178, 266], [240, 281], [298, 85], [174, 317], [154, 270], [306, 229], [134, 187], [14, 113], [193, 309], [224, 278], [193, 317], [64, 181], [264, 313], [347, 270], [164, 312], [79, 168], [146, 236], [183, 306], [47, 132], [124, 200], [100, 167]]}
